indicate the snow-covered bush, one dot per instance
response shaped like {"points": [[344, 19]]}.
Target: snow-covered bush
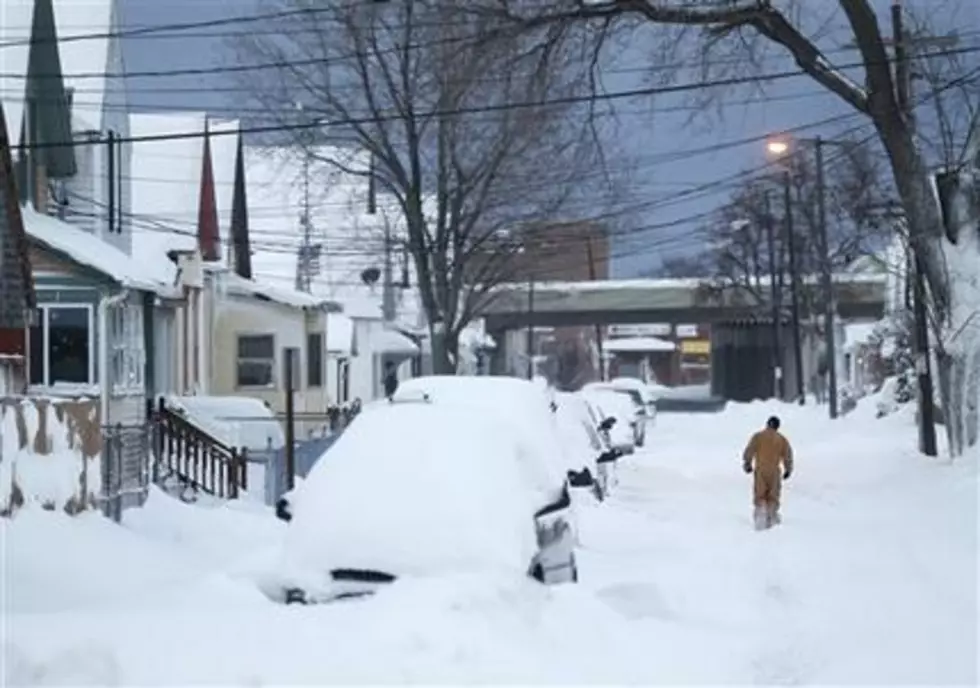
{"points": [[892, 338]]}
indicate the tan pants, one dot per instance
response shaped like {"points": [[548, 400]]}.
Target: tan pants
{"points": [[765, 496]]}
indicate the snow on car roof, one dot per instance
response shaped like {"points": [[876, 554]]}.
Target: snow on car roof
{"points": [[416, 488]]}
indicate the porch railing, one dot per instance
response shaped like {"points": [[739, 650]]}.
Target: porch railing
{"points": [[194, 457]]}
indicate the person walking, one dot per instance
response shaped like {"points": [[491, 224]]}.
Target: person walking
{"points": [[770, 457], [390, 380]]}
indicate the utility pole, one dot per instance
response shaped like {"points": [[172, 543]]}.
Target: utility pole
{"points": [[111, 179], [530, 323], [827, 278], [794, 286], [927, 420], [775, 298], [598, 328]]}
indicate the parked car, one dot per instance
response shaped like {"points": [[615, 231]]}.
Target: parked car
{"points": [[640, 392], [523, 405], [634, 400], [580, 423], [618, 418], [421, 489]]}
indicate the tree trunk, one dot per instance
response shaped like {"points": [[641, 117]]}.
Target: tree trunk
{"points": [[445, 349]]}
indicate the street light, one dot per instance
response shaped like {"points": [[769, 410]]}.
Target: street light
{"points": [[780, 149]]}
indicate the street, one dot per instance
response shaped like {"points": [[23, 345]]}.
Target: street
{"points": [[870, 579]]}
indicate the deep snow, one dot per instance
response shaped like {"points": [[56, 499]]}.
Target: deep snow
{"points": [[871, 579]]}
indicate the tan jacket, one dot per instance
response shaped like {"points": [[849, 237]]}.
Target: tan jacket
{"points": [[769, 448]]}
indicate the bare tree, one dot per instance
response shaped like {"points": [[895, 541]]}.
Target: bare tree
{"points": [[739, 235], [462, 118], [719, 30]]}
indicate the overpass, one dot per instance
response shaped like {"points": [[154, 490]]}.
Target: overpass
{"points": [[614, 302]]}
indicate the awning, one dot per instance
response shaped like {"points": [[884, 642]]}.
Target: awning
{"points": [[392, 342]]}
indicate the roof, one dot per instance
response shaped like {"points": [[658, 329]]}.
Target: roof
{"points": [[16, 279], [82, 248], [166, 181], [239, 286], [340, 334]]}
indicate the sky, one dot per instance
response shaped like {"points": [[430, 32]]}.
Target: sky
{"points": [[681, 158]]}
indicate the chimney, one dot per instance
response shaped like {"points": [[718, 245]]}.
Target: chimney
{"points": [[208, 235]]}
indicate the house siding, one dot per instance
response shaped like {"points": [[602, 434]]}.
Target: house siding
{"points": [[241, 316]]}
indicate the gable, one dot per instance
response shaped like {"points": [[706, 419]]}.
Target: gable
{"points": [[16, 283]]}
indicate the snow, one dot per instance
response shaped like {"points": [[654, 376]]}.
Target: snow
{"points": [[451, 500], [391, 341], [82, 248], [639, 345], [55, 477], [235, 421], [266, 290], [519, 404], [870, 580], [667, 283], [858, 334], [611, 404]]}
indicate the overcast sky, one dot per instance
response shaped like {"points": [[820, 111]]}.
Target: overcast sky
{"points": [[671, 154]]}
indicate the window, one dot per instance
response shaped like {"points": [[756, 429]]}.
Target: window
{"points": [[61, 345], [256, 361], [314, 359], [126, 346]]}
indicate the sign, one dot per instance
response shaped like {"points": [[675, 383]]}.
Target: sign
{"points": [[290, 368], [648, 330], [687, 331], [696, 347]]}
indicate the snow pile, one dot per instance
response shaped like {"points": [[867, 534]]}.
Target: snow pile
{"points": [[416, 488], [235, 421], [51, 453], [521, 406]]}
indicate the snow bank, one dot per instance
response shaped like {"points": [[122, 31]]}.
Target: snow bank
{"points": [[415, 489], [522, 406], [235, 421], [51, 453]]}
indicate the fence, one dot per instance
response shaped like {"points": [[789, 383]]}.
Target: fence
{"points": [[314, 434], [125, 468]]}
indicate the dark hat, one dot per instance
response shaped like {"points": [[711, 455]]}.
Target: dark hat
{"points": [[773, 422]]}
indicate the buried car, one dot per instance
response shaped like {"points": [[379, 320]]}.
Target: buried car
{"points": [[618, 418], [581, 424], [418, 489], [523, 406]]}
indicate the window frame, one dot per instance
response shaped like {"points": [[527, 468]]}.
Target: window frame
{"points": [[126, 347], [320, 369], [274, 381], [44, 323]]}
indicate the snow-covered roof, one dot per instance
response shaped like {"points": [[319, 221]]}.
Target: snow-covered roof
{"points": [[391, 341], [858, 334], [15, 32], [88, 251], [239, 286], [166, 181], [639, 345]]}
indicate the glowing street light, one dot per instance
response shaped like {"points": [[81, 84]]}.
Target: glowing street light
{"points": [[777, 147]]}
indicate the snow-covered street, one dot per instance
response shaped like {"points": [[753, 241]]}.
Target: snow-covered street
{"points": [[871, 579]]}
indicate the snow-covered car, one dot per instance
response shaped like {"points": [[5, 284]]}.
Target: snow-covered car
{"points": [[618, 419], [631, 399], [580, 424], [640, 392], [416, 489], [525, 406]]}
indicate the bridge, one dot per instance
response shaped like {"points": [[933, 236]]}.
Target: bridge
{"points": [[615, 302]]}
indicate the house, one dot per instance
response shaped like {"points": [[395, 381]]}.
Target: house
{"points": [[91, 332], [17, 298], [350, 247], [230, 331]]}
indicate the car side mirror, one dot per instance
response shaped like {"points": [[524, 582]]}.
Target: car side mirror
{"points": [[607, 424]]}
